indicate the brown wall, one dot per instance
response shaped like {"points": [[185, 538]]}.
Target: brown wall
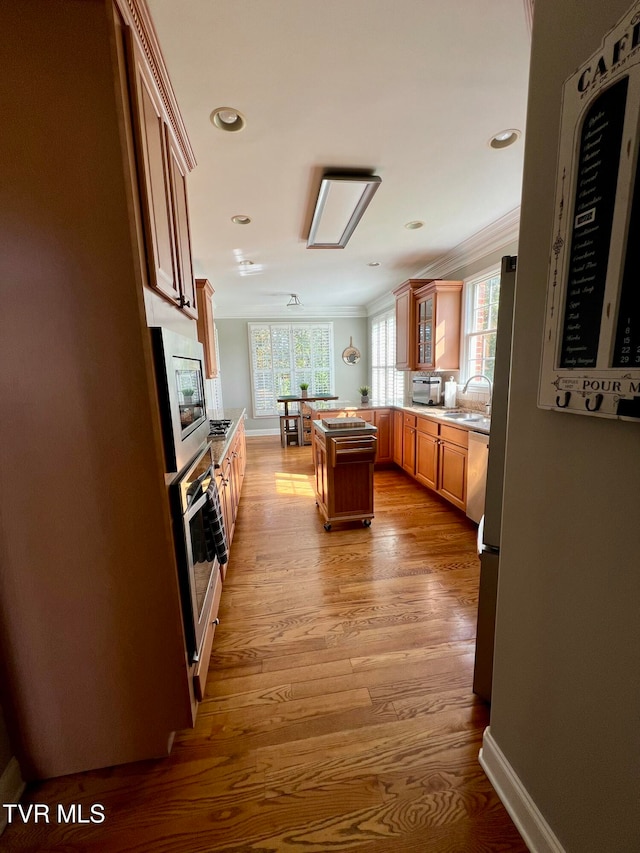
{"points": [[90, 625], [5, 747]]}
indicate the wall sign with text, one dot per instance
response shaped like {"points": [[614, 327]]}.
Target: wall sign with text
{"points": [[591, 347]]}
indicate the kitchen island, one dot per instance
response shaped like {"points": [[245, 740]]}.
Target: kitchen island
{"points": [[344, 452]]}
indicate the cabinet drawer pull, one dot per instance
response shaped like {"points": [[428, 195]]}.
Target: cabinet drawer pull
{"points": [[216, 621]]}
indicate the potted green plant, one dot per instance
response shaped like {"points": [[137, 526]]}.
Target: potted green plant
{"points": [[304, 389], [188, 393], [364, 394]]}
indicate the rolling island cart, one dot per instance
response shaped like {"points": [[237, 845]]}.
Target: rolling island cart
{"points": [[344, 452]]}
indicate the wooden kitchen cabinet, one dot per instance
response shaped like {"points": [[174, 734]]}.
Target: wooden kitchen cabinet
{"points": [[427, 445], [452, 465], [383, 420], [367, 415], [229, 479], [435, 454], [438, 319], [409, 444], [428, 319], [163, 193], [202, 666], [405, 322], [182, 231], [206, 326], [154, 179], [397, 437]]}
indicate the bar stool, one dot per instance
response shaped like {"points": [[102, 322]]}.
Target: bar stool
{"points": [[291, 430]]}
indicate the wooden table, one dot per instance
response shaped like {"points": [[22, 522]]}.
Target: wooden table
{"points": [[287, 429], [294, 398]]}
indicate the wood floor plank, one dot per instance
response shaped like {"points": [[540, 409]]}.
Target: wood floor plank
{"points": [[338, 712]]}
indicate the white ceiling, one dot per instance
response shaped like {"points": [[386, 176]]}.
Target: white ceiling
{"points": [[412, 89]]}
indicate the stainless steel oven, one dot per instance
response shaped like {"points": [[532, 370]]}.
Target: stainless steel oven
{"points": [[198, 564], [179, 363]]}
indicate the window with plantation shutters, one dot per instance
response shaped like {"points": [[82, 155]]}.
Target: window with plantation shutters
{"points": [[285, 354], [387, 383]]}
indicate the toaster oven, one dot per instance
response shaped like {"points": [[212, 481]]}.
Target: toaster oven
{"points": [[427, 391]]}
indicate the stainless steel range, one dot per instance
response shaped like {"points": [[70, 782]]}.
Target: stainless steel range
{"points": [[219, 427]]}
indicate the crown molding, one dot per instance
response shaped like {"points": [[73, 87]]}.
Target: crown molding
{"points": [[269, 312], [494, 237], [382, 303], [138, 18]]}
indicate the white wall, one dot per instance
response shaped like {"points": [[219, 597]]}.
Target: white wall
{"points": [[233, 342], [566, 693]]}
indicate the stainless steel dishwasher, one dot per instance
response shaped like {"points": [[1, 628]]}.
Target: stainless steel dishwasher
{"points": [[477, 457]]}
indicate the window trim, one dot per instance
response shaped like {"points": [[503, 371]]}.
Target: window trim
{"points": [[493, 271]]}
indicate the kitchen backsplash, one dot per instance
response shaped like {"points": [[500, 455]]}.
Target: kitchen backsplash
{"points": [[474, 401]]}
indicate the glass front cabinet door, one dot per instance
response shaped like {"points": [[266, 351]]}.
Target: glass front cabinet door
{"points": [[425, 333]]}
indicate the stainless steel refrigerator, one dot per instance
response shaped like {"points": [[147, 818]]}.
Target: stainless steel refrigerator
{"points": [[490, 524]]}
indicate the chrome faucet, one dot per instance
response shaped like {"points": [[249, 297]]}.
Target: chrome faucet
{"points": [[487, 408]]}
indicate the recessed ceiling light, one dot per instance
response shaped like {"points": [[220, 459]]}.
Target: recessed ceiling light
{"points": [[228, 119], [241, 219], [245, 263], [504, 138], [373, 264], [414, 224]]}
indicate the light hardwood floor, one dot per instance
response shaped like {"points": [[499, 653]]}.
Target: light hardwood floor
{"points": [[338, 713]]}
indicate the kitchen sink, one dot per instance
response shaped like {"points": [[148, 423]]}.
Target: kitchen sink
{"points": [[462, 416]]}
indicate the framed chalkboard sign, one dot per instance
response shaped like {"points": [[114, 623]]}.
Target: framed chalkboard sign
{"points": [[591, 348]]}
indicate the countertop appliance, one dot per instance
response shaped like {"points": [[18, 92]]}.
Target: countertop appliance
{"points": [[490, 524], [427, 391], [477, 458]]}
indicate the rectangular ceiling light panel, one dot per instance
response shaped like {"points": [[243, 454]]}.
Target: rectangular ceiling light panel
{"points": [[341, 202]]}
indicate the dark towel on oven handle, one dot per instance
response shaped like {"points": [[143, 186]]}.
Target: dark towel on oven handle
{"points": [[214, 531]]}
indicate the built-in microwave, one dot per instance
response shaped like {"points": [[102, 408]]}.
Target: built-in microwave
{"points": [[179, 363]]}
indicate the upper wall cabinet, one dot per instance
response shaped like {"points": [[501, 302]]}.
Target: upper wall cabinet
{"points": [[206, 326], [428, 319], [163, 190]]}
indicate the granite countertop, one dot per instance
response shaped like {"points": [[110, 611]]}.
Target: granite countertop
{"points": [[473, 421], [220, 444], [332, 405]]}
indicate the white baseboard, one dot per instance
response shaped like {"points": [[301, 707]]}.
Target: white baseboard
{"points": [[532, 826], [11, 788]]}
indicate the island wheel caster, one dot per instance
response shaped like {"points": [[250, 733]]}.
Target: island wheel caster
{"points": [[327, 527], [366, 522]]}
